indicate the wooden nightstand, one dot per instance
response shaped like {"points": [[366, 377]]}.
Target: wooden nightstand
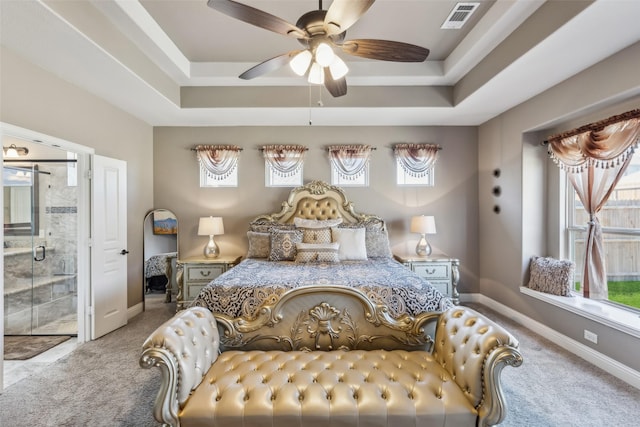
{"points": [[195, 272], [439, 269]]}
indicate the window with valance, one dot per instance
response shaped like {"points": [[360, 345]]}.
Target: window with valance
{"points": [[218, 165], [415, 163], [603, 208], [283, 165], [350, 164]]}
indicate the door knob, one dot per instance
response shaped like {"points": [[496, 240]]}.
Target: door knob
{"points": [[124, 252]]}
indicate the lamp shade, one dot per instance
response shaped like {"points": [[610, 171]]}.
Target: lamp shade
{"points": [[300, 63], [423, 224], [210, 226]]}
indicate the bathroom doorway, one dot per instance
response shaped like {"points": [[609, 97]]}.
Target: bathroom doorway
{"points": [[40, 185]]}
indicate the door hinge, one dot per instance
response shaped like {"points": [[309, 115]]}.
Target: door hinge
{"points": [[89, 174], [92, 311]]}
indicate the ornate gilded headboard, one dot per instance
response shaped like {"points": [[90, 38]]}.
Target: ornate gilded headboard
{"points": [[318, 200]]}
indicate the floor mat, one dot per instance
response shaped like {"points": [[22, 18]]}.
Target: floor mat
{"points": [[25, 347]]}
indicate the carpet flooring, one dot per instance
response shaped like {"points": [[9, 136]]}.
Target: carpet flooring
{"points": [[23, 347], [101, 384]]}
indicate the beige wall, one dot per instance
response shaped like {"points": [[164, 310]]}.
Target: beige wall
{"points": [[453, 200], [35, 99], [525, 228]]}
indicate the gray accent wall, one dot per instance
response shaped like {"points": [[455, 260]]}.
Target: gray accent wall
{"points": [[453, 200], [529, 222]]}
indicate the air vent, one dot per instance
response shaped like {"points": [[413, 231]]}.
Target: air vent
{"points": [[459, 15]]}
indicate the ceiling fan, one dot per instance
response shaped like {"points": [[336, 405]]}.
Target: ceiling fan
{"points": [[320, 31]]}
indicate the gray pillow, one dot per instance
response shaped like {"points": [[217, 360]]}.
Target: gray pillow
{"points": [[259, 244], [377, 242], [552, 276]]}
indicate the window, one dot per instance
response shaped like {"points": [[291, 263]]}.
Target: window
{"points": [[415, 163], [283, 165], [405, 178], [620, 220], [350, 164], [361, 180], [230, 180], [218, 165]]}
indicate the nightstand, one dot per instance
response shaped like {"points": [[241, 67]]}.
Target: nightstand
{"points": [[439, 269], [194, 273]]}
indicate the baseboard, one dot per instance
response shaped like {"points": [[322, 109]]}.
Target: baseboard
{"points": [[134, 310], [612, 366]]}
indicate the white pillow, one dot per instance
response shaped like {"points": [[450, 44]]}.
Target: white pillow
{"points": [[316, 223], [352, 243]]}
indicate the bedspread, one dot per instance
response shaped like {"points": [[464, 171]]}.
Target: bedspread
{"points": [[254, 282], [156, 265]]}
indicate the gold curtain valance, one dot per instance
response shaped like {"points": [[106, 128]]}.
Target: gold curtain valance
{"points": [[350, 160], [284, 159], [416, 159], [218, 161], [602, 144]]}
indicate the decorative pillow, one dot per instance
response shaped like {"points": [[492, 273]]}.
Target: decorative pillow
{"points": [[267, 226], [377, 243], [283, 245], [352, 243], [317, 252], [551, 275], [371, 224], [259, 244], [316, 235], [316, 223]]}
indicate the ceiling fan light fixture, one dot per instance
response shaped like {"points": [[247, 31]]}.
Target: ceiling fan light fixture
{"points": [[338, 68], [300, 63], [324, 55], [316, 74]]}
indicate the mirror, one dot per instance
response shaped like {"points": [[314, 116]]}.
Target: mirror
{"points": [[160, 250], [19, 182]]}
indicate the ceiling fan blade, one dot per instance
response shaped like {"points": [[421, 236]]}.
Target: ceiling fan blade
{"points": [[385, 50], [269, 65], [335, 87], [257, 17], [344, 13]]}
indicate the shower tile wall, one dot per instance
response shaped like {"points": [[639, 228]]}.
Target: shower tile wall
{"points": [[54, 293]]}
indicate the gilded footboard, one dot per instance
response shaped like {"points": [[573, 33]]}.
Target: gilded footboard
{"points": [[326, 318]]}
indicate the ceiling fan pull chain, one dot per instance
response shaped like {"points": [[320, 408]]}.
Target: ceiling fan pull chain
{"points": [[310, 121]]}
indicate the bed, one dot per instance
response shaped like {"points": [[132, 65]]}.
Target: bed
{"points": [[158, 272], [317, 240]]}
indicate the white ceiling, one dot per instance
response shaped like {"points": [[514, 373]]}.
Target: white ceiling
{"points": [[176, 62]]}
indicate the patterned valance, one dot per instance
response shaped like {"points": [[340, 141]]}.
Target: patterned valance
{"points": [[602, 144], [285, 160], [416, 159], [350, 161], [218, 161]]}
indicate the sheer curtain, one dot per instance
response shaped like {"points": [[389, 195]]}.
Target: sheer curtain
{"points": [[218, 161], [416, 159], [595, 157], [284, 160], [350, 161]]}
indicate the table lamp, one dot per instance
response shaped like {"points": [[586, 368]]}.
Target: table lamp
{"points": [[423, 225], [211, 226]]}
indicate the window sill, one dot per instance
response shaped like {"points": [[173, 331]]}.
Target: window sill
{"points": [[627, 321]]}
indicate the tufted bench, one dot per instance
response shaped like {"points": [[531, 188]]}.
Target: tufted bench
{"points": [[455, 383]]}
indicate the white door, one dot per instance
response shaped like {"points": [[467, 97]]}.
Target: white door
{"points": [[109, 249]]}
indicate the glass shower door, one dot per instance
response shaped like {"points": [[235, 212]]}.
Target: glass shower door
{"points": [[40, 251], [20, 185]]}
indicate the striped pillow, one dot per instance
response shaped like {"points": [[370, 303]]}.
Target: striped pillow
{"points": [[317, 252]]}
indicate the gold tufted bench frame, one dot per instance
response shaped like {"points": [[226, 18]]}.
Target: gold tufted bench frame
{"points": [[331, 357]]}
